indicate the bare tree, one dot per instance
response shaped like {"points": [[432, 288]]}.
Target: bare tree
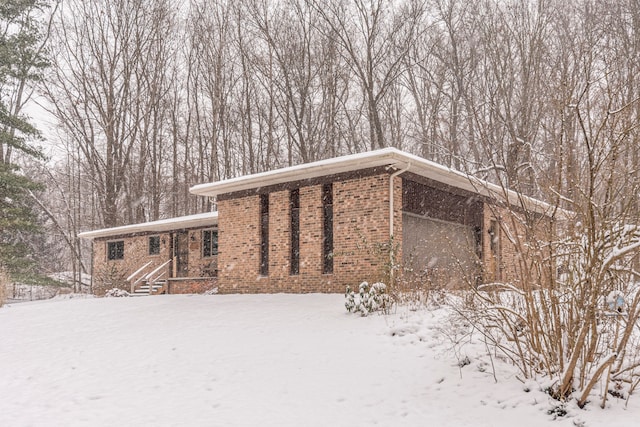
{"points": [[103, 90], [572, 314], [375, 37], [458, 53], [425, 78]]}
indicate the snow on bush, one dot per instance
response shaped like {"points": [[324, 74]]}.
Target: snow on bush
{"points": [[577, 328], [615, 301], [73, 296], [117, 293], [369, 299]]}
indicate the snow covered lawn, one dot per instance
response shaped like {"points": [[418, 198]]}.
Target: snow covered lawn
{"points": [[257, 360]]}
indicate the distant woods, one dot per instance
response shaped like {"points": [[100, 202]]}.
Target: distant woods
{"points": [[152, 97]]}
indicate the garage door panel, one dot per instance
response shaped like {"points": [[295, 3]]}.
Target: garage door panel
{"points": [[439, 248]]}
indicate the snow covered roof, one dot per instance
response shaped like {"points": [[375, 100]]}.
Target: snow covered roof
{"points": [[390, 157], [181, 222]]}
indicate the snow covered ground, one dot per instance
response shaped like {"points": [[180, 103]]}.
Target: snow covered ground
{"points": [[259, 360]]}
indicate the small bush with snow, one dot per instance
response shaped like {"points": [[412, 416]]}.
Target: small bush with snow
{"points": [[73, 295], [116, 293], [369, 299]]}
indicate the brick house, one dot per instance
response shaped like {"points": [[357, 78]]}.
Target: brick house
{"points": [[384, 215], [177, 255]]}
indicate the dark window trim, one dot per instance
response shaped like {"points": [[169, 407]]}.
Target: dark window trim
{"points": [[154, 248], [327, 228], [294, 207], [115, 250], [209, 243], [264, 234]]}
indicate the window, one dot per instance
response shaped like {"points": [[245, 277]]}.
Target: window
{"points": [[327, 228], [477, 234], [294, 205], [264, 234], [115, 250], [494, 247], [493, 236], [154, 245], [209, 243]]}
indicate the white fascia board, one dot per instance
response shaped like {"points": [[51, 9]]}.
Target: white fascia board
{"points": [[301, 172], [391, 157], [384, 157], [182, 222]]}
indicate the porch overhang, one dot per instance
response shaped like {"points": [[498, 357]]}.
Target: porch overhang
{"points": [[163, 225]]}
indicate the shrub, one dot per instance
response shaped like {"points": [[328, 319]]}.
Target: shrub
{"points": [[110, 277], [117, 293], [369, 299], [419, 289], [574, 324]]}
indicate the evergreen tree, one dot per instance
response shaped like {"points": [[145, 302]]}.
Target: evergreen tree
{"points": [[21, 64]]}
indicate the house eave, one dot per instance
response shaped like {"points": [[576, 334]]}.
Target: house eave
{"points": [[390, 157], [163, 225], [305, 171]]}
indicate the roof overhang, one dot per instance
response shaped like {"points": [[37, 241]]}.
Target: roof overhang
{"points": [[390, 157], [317, 169], [182, 222]]}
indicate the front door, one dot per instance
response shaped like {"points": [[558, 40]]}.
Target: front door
{"points": [[180, 243]]}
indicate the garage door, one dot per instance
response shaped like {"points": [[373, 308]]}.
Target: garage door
{"points": [[439, 251]]}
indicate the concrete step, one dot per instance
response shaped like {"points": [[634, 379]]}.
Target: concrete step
{"points": [[144, 290]]}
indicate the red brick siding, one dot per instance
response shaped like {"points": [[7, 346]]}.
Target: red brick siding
{"points": [[361, 228], [311, 278], [108, 274], [239, 243], [510, 260], [136, 254], [199, 266], [191, 285]]}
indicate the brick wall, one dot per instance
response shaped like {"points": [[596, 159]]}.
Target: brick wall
{"points": [[361, 229], [511, 257], [199, 265], [361, 243], [108, 274], [239, 243], [194, 285]]}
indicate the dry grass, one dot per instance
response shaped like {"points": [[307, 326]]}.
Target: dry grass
{"points": [[4, 282]]}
